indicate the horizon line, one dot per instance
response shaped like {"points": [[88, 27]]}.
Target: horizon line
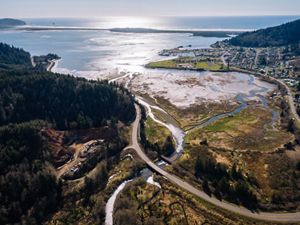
{"points": [[154, 16]]}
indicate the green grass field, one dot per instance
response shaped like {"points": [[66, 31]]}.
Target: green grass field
{"points": [[162, 64], [156, 133], [208, 66], [248, 130], [173, 64]]}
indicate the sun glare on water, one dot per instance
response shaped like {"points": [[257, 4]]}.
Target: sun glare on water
{"points": [[130, 22]]}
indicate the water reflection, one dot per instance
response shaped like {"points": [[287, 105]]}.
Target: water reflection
{"points": [[97, 53]]}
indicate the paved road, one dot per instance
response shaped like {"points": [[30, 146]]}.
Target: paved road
{"points": [[290, 100], [273, 217], [52, 64]]}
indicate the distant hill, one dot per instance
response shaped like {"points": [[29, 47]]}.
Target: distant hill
{"points": [[285, 34], [212, 33], [11, 22]]}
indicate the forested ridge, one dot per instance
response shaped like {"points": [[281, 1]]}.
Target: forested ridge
{"points": [[286, 34], [30, 101], [28, 187], [64, 101], [13, 58]]}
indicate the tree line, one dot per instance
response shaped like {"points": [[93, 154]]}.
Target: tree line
{"points": [[30, 101], [28, 187], [64, 101], [224, 182], [12, 57], [166, 150], [286, 34]]}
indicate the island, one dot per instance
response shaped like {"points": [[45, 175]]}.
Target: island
{"points": [[7, 23]]}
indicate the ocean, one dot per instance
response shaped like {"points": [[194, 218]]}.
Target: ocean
{"points": [[95, 54]]}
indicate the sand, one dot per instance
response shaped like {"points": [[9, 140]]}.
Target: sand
{"points": [[192, 88]]}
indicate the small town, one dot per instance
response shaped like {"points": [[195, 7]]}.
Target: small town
{"points": [[275, 62]]}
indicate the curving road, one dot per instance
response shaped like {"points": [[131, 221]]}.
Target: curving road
{"points": [[290, 99], [272, 217]]}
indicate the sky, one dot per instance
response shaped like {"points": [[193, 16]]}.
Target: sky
{"points": [[100, 8]]}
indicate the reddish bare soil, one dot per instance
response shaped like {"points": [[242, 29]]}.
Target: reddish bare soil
{"points": [[60, 142]]}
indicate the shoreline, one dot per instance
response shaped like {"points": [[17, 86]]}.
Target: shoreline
{"points": [[217, 33], [110, 204], [52, 65], [270, 216]]}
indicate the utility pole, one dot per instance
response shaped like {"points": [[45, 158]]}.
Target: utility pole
{"points": [[228, 63]]}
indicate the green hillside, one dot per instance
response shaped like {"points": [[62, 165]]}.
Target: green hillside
{"points": [[31, 101], [286, 34]]}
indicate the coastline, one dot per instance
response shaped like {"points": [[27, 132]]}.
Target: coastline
{"points": [[216, 33], [52, 65]]}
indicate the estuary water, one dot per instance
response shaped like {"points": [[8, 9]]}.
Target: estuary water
{"points": [[94, 54], [104, 54]]}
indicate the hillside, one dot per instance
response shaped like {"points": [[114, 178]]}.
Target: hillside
{"points": [[13, 58], [32, 103], [27, 183], [64, 101], [286, 34], [7, 22]]}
